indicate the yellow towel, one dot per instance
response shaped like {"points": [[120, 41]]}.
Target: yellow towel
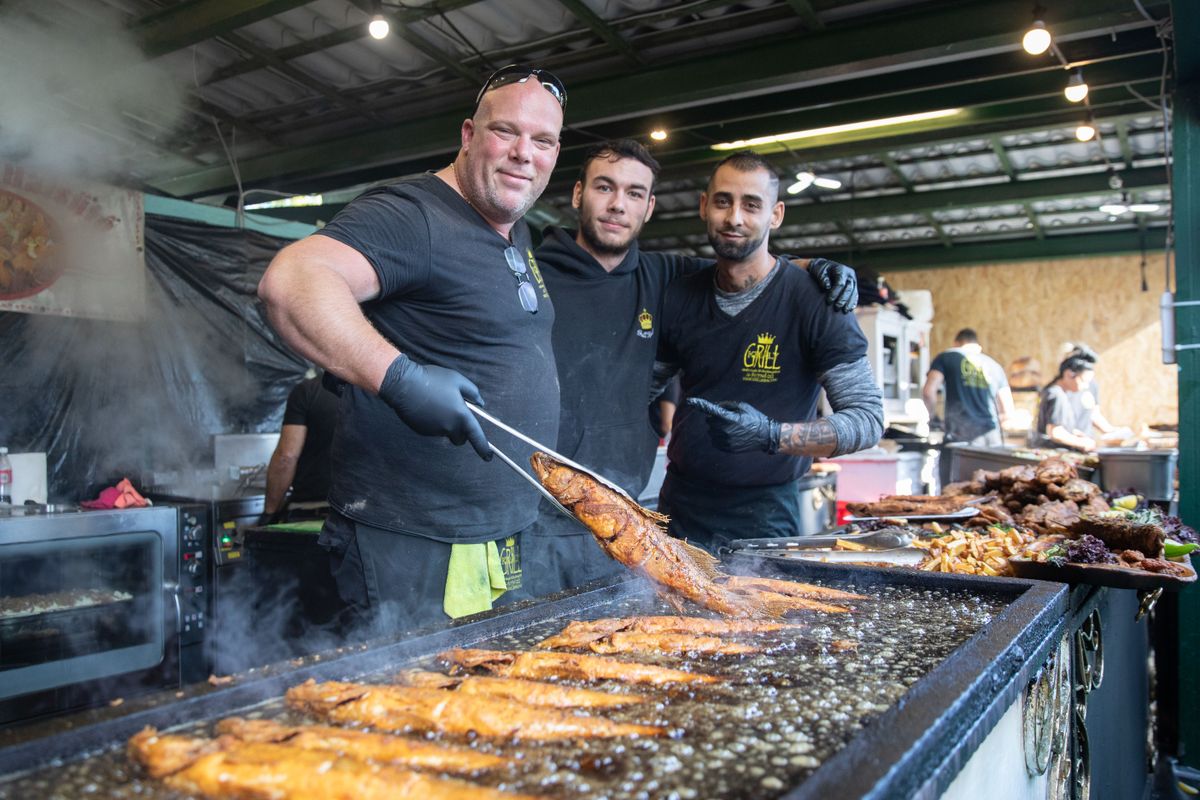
{"points": [[474, 579]]}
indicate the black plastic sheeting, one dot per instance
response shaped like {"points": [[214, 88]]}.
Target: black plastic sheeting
{"points": [[106, 400]]}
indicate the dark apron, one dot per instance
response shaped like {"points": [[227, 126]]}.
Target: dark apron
{"points": [[395, 582], [712, 515], [561, 554]]}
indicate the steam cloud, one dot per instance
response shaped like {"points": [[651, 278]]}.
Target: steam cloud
{"points": [[75, 87]]}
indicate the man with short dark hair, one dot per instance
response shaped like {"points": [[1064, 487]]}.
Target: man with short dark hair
{"points": [[978, 399], [422, 296], [608, 302], [755, 343]]}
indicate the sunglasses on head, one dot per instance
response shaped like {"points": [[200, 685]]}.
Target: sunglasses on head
{"points": [[519, 73]]}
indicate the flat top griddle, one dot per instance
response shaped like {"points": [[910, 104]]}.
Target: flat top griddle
{"points": [[805, 720]]}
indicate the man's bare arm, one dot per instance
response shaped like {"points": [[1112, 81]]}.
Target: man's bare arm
{"points": [[281, 469], [312, 291]]}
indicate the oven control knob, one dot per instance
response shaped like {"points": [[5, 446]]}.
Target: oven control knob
{"points": [[193, 567]]}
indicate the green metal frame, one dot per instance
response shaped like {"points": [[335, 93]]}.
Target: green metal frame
{"points": [[1185, 137]]}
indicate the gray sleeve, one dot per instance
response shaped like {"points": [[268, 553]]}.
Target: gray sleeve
{"points": [[857, 405], [663, 373]]}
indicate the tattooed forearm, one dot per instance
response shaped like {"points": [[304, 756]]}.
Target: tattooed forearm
{"points": [[808, 438]]}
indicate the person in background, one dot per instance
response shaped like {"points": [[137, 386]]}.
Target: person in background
{"points": [[978, 399], [1088, 400], [1061, 422], [608, 296], [301, 458], [420, 297], [756, 343]]}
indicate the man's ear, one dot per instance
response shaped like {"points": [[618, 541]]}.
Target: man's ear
{"points": [[468, 131], [649, 210], [704, 206], [777, 215], [577, 195]]}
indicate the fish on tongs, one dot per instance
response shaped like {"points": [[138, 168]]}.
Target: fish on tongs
{"points": [[635, 537]]}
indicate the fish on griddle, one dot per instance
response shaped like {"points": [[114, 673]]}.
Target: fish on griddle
{"points": [[676, 643], [382, 747], [635, 537], [535, 693], [790, 594], [580, 633], [538, 665], [228, 769], [407, 708]]}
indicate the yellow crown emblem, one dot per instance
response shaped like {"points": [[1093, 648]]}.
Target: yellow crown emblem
{"points": [[766, 338], [645, 320]]}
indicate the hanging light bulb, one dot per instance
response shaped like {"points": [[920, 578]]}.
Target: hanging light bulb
{"points": [[658, 135], [379, 27], [1076, 89], [827, 183], [1037, 39], [1086, 132]]}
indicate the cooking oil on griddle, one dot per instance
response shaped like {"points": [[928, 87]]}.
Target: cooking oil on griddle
{"points": [[781, 714]]}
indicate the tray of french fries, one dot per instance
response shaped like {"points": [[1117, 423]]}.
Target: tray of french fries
{"points": [[976, 552]]}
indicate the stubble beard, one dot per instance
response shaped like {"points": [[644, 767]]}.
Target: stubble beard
{"points": [[587, 228], [729, 251]]}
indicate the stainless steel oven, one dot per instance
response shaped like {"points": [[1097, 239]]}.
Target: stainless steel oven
{"points": [[89, 610]]}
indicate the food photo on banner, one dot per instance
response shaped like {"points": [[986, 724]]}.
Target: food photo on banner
{"points": [[70, 247]]}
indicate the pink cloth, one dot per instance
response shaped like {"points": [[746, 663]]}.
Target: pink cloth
{"points": [[123, 495]]}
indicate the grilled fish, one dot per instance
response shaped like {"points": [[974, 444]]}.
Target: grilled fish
{"points": [[403, 708], [634, 536], [416, 753], [636, 642], [227, 769], [788, 594], [581, 634], [535, 693], [535, 665]]}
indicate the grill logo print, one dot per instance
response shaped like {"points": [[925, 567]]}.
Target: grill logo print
{"points": [[760, 360], [645, 324]]}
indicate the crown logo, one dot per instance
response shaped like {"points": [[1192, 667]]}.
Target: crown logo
{"points": [[645, 320], [766, 338]]}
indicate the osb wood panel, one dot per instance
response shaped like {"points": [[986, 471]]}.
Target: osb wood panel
{"points": [[1032, 308]]}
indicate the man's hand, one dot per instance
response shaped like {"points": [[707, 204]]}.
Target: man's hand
{"points": [[838, 281], [739, 427], [430, 401]]}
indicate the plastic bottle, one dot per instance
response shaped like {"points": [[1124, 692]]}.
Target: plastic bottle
{"points": [[6, 478]]}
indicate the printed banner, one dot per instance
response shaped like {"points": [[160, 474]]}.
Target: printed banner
{"points": [[71, 248]]}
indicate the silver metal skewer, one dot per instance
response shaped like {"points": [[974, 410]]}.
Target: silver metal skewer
{"points": [[536, 483], [557, 456]]}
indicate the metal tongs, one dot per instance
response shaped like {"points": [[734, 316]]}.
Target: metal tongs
{"points": [[555, 455], [883, 539]]}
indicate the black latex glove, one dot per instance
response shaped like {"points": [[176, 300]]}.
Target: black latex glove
{"points": [[739, 427], [430, 401], [838, 281]]}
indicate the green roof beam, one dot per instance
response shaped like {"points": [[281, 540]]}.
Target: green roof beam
{"points": [[192, 21], [807, 14], [1002, 157], [602, 29], [898, 259]]}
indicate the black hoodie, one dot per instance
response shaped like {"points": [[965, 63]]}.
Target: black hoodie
{"points": [[605, 336]]}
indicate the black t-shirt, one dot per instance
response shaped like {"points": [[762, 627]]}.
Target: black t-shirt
{"points": [[770, 356], [448, 298], [972, 381], [605, 335], [312, 405]]}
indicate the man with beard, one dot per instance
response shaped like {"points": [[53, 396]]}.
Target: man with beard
{"points": [[755, 344], [608, 300], [421, 296]]}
